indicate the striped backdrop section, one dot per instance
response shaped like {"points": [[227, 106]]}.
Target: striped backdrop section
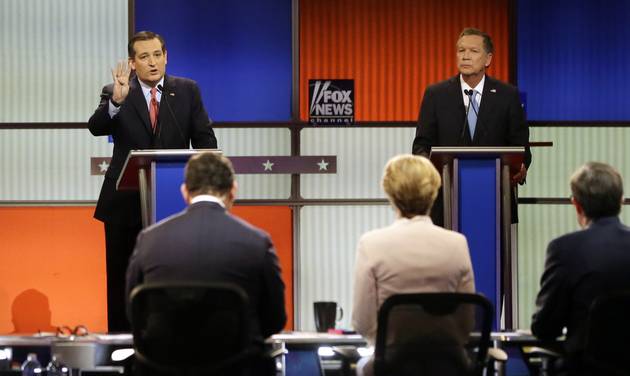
{"points": [[548, 176], [361, 156], [55, 56], [49, 164], [392, 49], [328, 241], [54, 164]]}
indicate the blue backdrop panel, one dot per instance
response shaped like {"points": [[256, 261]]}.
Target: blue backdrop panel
{"points": [[572, 59], [477, 220], [238, 51], [168, 199]]}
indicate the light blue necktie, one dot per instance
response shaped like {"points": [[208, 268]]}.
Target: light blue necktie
{"points": [[472, 113]]}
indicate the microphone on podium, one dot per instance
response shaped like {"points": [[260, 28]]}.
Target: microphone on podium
{"points": [[469, 93]]}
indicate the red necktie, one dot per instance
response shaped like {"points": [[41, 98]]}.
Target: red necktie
{"points": [[153, 108]]}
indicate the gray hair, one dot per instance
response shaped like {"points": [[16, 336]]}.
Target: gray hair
{"points": [[598, 188]]}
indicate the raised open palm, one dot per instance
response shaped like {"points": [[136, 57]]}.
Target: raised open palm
{"points": [[120, 74]]}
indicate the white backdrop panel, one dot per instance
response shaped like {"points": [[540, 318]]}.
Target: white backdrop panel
{"points": [[551, 167], [258, 142], [328, 240], [361, 155], [55, 56], [49, 164]]}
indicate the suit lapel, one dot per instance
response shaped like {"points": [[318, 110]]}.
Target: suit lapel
{"points": [[170, 87], [488, 101], [140, 104]]}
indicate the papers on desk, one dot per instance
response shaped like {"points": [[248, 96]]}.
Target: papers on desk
{"points": [[316, 337], [124, 338]]}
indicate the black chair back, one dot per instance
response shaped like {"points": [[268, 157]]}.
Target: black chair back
{"points": [[191, 328], [606, 336], [433, 334]]}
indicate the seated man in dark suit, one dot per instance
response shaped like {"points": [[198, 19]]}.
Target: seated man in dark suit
{"points": [[205, 243], [585, 264]]}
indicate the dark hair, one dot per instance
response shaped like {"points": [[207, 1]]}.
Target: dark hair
{"points": [[208, 173], [598, 188], [487, 41], [143, 35]]}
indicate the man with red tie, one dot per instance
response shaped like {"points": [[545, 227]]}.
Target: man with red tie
{"points": [[143, 109]]}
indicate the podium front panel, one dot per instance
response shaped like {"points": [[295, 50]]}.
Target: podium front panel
{"points": [[167, 198], [477, 208]]}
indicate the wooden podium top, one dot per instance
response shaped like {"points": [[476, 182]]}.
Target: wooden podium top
{"points": [[512, 156], [138, 159]]}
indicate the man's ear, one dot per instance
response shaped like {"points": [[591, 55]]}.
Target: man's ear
{"points": [[578, 207], [185, 195], [489, 60], [582, 219], [231, 196]]}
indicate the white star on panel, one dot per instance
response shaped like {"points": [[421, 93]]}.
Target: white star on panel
{"points": [[103, 166], [323, 165], [267, 165]]}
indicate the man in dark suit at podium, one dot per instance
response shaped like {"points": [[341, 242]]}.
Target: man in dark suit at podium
{"points": [[585, 264], [146, 110], [471, 109], [205, 243]]}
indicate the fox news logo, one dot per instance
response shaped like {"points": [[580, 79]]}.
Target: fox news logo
{"points": [[331, 101]]}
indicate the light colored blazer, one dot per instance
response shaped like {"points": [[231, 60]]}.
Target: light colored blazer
{"points": [[409, 256]]}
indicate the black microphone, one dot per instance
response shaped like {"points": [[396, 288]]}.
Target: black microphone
{"points": [[470, 99], [469, 93], [170, 110]]}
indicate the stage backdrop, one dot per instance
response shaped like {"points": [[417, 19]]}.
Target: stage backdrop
{"points": [[238, 51], [573, 59], [392, 49], [53, 262]]}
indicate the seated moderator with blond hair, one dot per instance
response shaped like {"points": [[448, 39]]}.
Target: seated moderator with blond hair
{"points": [[412, 254]]}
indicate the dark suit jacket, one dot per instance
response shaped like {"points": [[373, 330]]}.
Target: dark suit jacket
{"points": [[580, 266], [204, 243], [442, 122], [131, 130], [501, 121]]}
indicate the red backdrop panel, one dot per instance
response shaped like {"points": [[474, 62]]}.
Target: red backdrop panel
{"points": [[392, 49], [52, 271], [278, 222]]}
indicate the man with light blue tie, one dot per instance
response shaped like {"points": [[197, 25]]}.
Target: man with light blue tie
{"points": [[472, 109]]}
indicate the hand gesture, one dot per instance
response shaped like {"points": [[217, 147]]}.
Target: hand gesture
{"points": [[120, 74], [520, 176]]}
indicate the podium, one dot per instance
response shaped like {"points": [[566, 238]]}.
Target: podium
{"points": [[477, 203], [157, 174]]}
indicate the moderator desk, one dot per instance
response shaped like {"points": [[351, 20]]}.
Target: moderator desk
{"points": [[92, 352], [302, 355], [303, 349]]}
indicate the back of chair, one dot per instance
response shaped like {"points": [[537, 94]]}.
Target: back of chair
{"points": [[190, 327], [607, 343], [433, 334]]}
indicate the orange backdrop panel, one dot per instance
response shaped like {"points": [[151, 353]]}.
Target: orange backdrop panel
{"points": [[278, 222], [392, 49], [52, 270]]}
